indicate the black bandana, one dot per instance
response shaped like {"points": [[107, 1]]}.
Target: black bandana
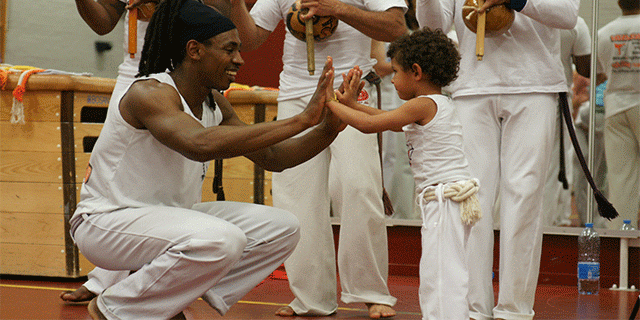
{"points": [[201, 22]]}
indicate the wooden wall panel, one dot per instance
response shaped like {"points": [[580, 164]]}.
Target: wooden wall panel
{"points": [[246, 112], [88, 99], [31, 228], [31, 197], [240, 190], [33, 259], [40, 106], [82, 130], [31, 136], [27, 166], [82, 161]]}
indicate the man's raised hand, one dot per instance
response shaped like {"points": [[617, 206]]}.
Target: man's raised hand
{"points": [[315, 110]]}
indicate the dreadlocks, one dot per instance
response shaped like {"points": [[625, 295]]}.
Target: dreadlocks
{"points": [[159, 52]]}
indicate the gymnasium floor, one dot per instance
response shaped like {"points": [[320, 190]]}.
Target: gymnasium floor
{"points": [[22, 298]]}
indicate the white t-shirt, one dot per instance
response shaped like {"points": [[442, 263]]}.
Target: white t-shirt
{"points": [[347, 46], [129, 168], [436, 153], [524, 59], [574, 43], [619, 58]]}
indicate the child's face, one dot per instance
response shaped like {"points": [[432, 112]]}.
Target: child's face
{"points": [[403, 81]]}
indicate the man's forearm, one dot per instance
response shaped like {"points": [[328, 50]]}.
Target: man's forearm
{"points": [[101, 16], [294, 151], [382, 26], [245, 24]]}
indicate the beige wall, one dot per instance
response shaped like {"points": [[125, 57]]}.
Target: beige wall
{"points": [[50, 34]]}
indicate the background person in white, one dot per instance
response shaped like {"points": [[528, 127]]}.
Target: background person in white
{"points": [[507, 105], [353, 159], [575, 50], [619, 60]]}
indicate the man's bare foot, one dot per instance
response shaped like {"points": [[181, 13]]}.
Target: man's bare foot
{"points": [[94, 312], [285, 311], [377, 311], [81, 294]]}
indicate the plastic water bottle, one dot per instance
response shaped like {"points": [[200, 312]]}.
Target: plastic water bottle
{"points": [[588, 261], [626, 225]]}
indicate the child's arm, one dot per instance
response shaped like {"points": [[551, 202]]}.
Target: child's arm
{"points": [[371, 120], [418, 110]]}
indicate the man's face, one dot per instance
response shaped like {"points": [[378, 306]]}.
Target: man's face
{"points": [[222, 59]]}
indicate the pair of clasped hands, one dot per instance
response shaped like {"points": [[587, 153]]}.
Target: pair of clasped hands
{"points": [[318, 111]]}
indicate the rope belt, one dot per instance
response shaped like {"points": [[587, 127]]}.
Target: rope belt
{"points": [[463, 192]]}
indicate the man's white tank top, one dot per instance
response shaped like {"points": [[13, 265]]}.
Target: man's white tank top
{"points": [[129, 168], [435, 150]]}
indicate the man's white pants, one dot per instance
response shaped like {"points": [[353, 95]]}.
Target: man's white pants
{"points": [[556, 206], [508, 141], [218, 251], [99, 279], [622, 150], [357, 199]]}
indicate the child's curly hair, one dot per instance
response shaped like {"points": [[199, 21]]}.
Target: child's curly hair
{"points": [[432, 50]]}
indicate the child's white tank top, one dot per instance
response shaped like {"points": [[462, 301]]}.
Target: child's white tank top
{"points": [[435, 150]]}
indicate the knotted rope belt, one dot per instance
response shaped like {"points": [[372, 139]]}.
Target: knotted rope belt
{"points": [[464, 192]]}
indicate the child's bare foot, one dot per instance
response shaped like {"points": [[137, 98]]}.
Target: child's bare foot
{"points": [[377, 311], [81, 294], [285, 311], [94, 312]]}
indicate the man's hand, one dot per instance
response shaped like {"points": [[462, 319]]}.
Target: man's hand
{"points": [[490, 3], [320, 8], [315, 110]]}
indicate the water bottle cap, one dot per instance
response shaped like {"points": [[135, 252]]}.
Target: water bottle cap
{"points": [[589, 225], [626, 221]]}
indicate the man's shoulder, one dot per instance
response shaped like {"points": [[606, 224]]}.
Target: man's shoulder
{"points": [[147, 88]]}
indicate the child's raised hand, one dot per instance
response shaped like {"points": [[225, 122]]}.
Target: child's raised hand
{"points": [[351, 86]]}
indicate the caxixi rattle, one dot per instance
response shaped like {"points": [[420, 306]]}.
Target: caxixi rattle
{"points": [[317, 28], [496, 20]]}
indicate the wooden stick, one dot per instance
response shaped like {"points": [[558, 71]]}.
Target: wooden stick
{"points": [[482, 19], [133, 32], [311, 60]]}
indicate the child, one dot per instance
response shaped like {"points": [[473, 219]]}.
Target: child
{"points": [[423, 63]]}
